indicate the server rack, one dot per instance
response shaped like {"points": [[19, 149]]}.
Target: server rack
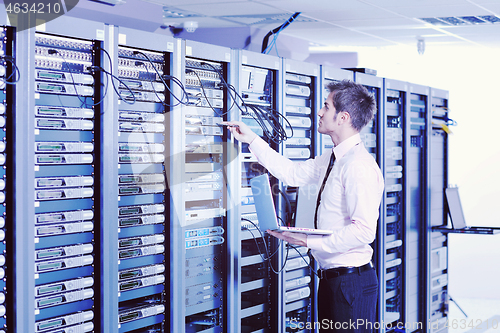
{"points": [[436, 282], [416, 214], [8, 77], [257, 79], [139, 216], [392, 231], [300, 103], [199, 193], [56, 177]]}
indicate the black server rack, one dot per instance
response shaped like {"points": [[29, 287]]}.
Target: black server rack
{"points": [[391, 250], [416, 161], [8, 78], [437, 244], [258, 286], [141, 188], [65, 178], [199, 191], [300, 103]]}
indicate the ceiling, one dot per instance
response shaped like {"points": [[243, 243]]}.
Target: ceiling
{"points": [[324, 23]]}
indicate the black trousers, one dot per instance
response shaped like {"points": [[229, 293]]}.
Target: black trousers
{"points": [[348, 303]]}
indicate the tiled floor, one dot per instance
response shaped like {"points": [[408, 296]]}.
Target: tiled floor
{"points": [[483, 316]]}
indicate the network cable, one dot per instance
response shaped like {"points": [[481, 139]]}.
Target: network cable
{"points": [[229, 88], [10, 60], [265, 48], [110, 73], [204, 93], [277, 132], [82, 99], [260, 115], [268, 256], [176, 81], [303, 258]]}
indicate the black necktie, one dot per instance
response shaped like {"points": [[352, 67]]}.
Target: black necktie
{"points": [[332, 160]]}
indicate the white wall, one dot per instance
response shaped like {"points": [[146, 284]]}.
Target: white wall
{"points": [[472, 75]]}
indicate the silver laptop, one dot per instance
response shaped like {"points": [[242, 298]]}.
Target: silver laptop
{"points": [[457, 215], [266, 213]]}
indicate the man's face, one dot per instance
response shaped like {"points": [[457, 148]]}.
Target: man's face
{"points": [[327, 117]]}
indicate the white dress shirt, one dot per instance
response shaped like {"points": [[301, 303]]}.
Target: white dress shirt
{"points": [[349, 203]]}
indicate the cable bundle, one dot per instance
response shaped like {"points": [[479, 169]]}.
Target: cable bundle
{"points": [[17, 77], [267, 118]]}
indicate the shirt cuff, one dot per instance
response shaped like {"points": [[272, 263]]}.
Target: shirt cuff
{"points": [[315, 242], [258, 145]]}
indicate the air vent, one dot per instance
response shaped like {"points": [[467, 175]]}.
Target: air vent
{"points": [[171, 12], [462, 20]]}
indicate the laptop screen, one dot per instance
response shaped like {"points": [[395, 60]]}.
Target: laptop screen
{"points": [[264, 204], [455, 208], [306, 206]]}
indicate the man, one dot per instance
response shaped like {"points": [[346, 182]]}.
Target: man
{"points": [[348, 203]]}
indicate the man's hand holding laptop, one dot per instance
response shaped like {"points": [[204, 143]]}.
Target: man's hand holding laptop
{"points": [[294, 238]]}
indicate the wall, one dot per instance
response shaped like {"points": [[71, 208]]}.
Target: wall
{"points": [[471, 75]]}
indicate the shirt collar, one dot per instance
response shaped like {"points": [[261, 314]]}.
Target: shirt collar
{"points": [[346, 145]]}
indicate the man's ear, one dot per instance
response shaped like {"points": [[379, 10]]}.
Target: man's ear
{"points": [[344, 117]]}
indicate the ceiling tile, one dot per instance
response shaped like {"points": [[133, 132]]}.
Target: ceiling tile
{"points": [[484, 2], [493, 7], [340, 37], [298, 26], [231, 8], [440, 10], [411, 33], [368, 24], [346, 15], [134, 9], [191, 2], [391, 4], [317, 5], [483, 29]]}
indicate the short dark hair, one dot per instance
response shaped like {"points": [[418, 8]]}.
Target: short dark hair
{"points": [[354, 99]]}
